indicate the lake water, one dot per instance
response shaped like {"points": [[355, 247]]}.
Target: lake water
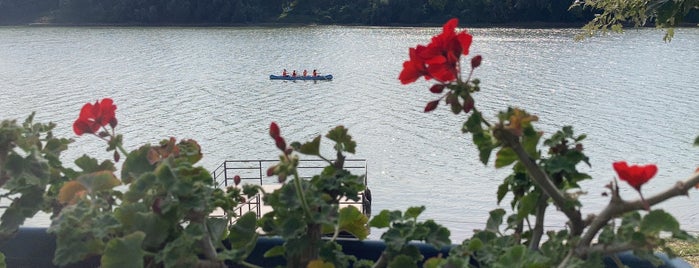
{"points": [[634, 95]]}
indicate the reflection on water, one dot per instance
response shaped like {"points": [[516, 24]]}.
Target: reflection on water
{"points": [[633, 94]]}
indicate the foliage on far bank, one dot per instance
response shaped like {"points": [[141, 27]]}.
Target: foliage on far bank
{"points": [[234, 12]]}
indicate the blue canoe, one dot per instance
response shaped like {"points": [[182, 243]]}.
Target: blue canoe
{"points": [[288, 77]]}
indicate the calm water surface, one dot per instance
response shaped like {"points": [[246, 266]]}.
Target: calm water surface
{"points": [[634, 95]]}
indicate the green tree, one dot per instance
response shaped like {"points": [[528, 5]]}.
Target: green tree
{"points": [[665, 14]]}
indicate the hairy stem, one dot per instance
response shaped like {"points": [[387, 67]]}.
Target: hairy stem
{"points": [[538, 232], [205, 242], [301, 196]]}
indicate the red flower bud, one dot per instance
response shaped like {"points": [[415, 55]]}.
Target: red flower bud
{"points": [[281, 144], [476, 61], [274, 130], [468, 104], [270, 171], [116, 156], [236, 180], [431, 106], [113, 122], [437, 88]]}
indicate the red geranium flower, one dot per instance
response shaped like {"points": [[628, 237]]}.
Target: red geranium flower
{"points": [[440, 58], [94, 116], [413, 68], [635, 175]]}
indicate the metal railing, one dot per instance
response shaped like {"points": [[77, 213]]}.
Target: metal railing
{"points": [[255, 172]]}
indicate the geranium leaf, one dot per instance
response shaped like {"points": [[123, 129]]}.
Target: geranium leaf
{"points": [[70, 191], [485, 146], [354, 222], [413, 212], [190, 150], [659, 220], [243, 231], [136, 163], [505, 157], [402, 261], [383, 220], [495, 220], [275, 251], [124, 252], [527, 204], [99, 181], [311, 148], [502, 191], [473, 124], [344, 141]]}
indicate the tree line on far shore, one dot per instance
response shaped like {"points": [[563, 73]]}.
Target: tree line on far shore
{"points": [[236, 12]]}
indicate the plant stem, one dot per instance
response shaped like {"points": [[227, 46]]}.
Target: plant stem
{"points": [[205, 242], [542, 180], [301, 195], [538, 232], [617, 207]]}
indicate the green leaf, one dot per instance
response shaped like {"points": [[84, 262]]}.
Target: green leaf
{"points": [[275, 251], [502, 191], [99, 181], [607, 235], [413, 212], [242, 237], [136, 163], [382, 220], [530, 142], [696, 141], [2, 261], [495, 220], [475, 244], [344, 141], [354, 222], [433, 262], [124, 252], [402, 261], [438, 235], [527, 204], [217, 228], [473, 124], [519, 256], [505, 157], [89, 164], [484, 144], [658, 220], [311, 148]]}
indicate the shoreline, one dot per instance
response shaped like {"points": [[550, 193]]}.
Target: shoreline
{"points": [[526, 25]]}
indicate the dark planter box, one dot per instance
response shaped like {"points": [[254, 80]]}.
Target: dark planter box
{"points": [[33, 247]]}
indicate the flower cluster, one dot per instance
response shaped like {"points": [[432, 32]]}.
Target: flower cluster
{"points": [[94, 116], [439, 59]]}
